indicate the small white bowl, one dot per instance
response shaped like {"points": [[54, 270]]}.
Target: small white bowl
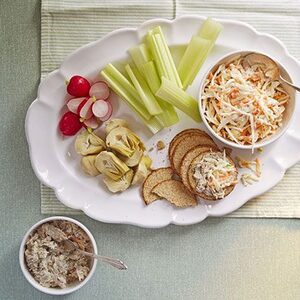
{"points": [[288, 113], [56, 291]]}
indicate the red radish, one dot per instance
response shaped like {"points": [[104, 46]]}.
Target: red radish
{"points": [[100, 108], [92, 123], [69, 123], [78, 86], [86, 110], [80, 106], [109, 113], [74, 103], [100, 90]]}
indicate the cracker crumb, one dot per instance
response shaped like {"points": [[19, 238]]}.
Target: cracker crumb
{"points": [[160, 145]]}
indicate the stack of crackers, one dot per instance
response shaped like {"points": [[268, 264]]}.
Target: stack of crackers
{"points": [[176, 183]]}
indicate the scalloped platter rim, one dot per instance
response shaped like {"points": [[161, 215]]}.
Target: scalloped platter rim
{"points": [[56, 164]]}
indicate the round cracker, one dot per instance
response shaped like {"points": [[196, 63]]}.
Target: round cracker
{"points": [[192, 182], [187, 160], [188, 142], [176, 139], [154, 178], [175, 192]]}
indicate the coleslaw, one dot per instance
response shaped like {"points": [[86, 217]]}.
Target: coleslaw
{"points": [[214, 173], [241, 104]]}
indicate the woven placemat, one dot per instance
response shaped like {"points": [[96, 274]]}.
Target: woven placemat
{"points": [[67, 25]]}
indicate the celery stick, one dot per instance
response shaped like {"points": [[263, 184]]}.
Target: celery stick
{"points": [[193, 58], [174, 95], [161, 49], [115, 73], [177, 52], [158, 59], [122, 87], [150, 74], [144, 91], [162, 55], [140, 55], [153, 123], [170, 60], [197, 50], [210, 30], [169, 116]]}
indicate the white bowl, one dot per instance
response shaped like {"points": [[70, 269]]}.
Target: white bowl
{"points": [[56, 291], [288, 113]]}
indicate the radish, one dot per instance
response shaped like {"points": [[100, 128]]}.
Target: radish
{"points": [[74, 103], [69, 123], [86, 110], [80, 106], [100, 108], [100, 90], [92, 123], [109, 113], [78, 86]]}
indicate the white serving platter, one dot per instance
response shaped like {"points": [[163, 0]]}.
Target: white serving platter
{"points": [[57, 165]]}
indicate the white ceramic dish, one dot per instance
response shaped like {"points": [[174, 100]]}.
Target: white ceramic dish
{"points": [[57, 165], [56, 291], [288, 114]]}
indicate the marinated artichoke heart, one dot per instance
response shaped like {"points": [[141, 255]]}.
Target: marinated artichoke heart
{"points": [[121, 184], [142, 170], [89, 143], [147, 161], [114, 123], [134, 159], [110, 165], [88, 165], [126, 143]]}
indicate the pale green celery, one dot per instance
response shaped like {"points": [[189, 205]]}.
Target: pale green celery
{"points": [[169, 116], [140, 55], [197, 50], [152, 44], [210, 29], [122, 87], [118, 76], [174, 95], [153, 123], [177, 52], [162, 55], [143, 90], [193, 59], [150, 74]]}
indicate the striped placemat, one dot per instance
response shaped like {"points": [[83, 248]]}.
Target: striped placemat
{"points": [[69, 24]]}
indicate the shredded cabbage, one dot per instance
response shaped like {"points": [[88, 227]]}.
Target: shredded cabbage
{"points": [[248, 178], [241, 104]]}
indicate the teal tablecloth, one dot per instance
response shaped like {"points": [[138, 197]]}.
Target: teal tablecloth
{"points": [[217, 259]]}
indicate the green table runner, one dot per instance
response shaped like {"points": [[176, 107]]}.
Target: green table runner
{"points": [[69, 24]]}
